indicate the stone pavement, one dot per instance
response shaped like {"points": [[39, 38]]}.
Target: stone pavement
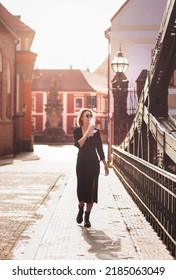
{"points": [[119, 229], [26, 186]]}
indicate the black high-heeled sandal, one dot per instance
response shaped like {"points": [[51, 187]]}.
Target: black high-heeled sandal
{"points": [[79, 217], [86, 220]]}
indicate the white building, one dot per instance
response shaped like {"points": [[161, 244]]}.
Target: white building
{"points": [[135, 27]]}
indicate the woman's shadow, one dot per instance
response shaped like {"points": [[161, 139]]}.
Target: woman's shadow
{"points": [[101, 245]]}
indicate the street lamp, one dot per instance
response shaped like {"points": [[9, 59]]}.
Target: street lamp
{"points": [[119, 64], [120, 90]]}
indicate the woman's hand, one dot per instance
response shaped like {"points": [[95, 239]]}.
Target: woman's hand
{"points": [[90, 130], [106, 170], [90, 127], [106, 167]]}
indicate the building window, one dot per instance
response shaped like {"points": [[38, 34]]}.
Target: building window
{"points": [[78, 103], [91, 101], [8, 96], [33, 104]]}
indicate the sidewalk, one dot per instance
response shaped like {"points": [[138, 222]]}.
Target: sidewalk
{"points": [[25, 156], [119, 230]]}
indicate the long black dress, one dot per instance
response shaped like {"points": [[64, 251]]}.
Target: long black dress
{"points": [[88, 166]]}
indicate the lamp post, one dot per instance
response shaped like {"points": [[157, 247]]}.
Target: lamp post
{"points": [[120, 90]]}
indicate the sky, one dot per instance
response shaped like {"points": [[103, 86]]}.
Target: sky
{"points": [[67, 32]]}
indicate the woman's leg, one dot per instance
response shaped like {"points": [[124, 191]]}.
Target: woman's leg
{"points": [[87, 214], [81, 203], [79, 217], [89, 207]]}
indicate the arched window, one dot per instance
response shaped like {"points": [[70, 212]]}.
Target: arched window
{"points": [[8, 78], [8, 97]]}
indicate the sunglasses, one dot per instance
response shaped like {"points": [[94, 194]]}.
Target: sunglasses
{"points": [[88, 116]]}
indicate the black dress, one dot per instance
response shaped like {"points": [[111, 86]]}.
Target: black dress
{"points": [[88, 166]]}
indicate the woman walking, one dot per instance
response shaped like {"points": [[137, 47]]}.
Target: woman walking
{"points": [[88, 141]]}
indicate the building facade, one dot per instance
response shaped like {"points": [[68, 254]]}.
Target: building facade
{"points": [[7, 86], [16, 66], [134, 28], [76, 89]]}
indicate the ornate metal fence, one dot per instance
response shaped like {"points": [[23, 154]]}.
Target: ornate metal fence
{"points": [[154, 191]]}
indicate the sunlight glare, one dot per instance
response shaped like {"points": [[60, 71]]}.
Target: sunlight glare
{"points": [[67, 32]]}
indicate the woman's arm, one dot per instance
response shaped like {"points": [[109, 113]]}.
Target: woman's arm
{"points": [[105, 167], [82, 140], [79, 139], [101, 153], [77, 135]]}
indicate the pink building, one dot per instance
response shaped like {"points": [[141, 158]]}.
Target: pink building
{"points": [[76, 89]]}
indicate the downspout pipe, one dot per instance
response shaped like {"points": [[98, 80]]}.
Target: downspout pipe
{"points": [[15, 98], [108, 85], [108, 71]]}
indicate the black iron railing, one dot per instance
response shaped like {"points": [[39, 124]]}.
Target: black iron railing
{"points": [[154, 191]]}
